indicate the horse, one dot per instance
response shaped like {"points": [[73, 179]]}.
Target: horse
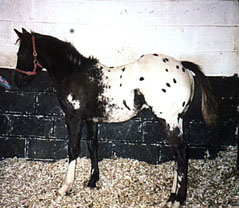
{"points": [[91, 93]]}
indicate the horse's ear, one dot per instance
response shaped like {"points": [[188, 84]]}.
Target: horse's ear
{"points": [[19, 34], [24, 30]]}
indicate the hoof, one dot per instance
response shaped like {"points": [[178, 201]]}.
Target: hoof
{"points": [[64, 190], [91, 184], [175, 204], [93, 180], [174, 201]]}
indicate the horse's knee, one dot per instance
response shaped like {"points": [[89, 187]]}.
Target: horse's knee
{"points": [[73, 151]]}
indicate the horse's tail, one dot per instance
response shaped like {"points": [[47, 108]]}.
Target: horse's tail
{"points": [[209, 103]]}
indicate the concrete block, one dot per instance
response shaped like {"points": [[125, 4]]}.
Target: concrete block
{"points": [[47, 149], [226, 12], [202, 12], [15, 102], [12, 147], [8, 55], [142, 152], [58, 11], [215, 38], [5, 31], [16, 10], [120, 132], [214, 63]]}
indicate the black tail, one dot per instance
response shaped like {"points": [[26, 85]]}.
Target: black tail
{"points": [[209, 104]]}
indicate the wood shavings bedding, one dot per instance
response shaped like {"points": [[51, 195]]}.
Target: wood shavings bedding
{"points": [[124, 183]]}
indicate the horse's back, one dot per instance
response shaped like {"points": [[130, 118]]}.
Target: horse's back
{"points": [[166, 87]]}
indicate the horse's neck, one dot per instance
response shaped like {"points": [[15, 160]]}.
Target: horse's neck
{"points": [[60, 66], [51, 62]]}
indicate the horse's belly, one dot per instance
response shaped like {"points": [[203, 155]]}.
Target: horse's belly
{"points": [[114, 115], [118, 103], [119, 108]]}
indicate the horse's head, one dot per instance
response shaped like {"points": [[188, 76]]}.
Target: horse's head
{"points": [[27, 62]]}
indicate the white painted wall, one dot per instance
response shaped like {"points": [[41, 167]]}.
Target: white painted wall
{"points": [[118, 32]]}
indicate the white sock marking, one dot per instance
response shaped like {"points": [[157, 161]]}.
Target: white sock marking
{"points": [[69, 180], [174, 187]]}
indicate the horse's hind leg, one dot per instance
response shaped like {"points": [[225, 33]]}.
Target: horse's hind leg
{"points": [[179, 147], [92, 142], [74, 126]]}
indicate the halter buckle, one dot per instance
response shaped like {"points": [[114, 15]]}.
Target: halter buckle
{"points": [[34, 53]]}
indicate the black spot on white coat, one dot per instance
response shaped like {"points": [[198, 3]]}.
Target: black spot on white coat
{"points": [[165, 60], [125, 104], [168, 85], [141, 79]]}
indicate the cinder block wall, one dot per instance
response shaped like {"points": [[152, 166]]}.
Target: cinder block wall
{"points": [[117, 32], [32, 126]]}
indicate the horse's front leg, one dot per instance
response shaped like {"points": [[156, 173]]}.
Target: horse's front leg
{"points": [[74, 126], [92, 142], [179, 148]]}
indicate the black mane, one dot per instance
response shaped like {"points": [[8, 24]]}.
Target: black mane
{"points": [[68, 53]]}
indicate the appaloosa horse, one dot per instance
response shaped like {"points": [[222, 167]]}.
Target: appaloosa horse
{"points": [[90, 92]]}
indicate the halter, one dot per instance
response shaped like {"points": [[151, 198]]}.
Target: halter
{"points": [[35, 61]]}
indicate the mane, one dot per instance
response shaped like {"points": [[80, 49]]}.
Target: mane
{"points": [[69, 54]]}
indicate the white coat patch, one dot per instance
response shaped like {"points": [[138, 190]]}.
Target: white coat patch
{"points": [[74, 103]]}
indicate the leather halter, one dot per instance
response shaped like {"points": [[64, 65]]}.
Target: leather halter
{"points": [[35, 61]]}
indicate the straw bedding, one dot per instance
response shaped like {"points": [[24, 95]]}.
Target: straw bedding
{"points": [[123, 183]]}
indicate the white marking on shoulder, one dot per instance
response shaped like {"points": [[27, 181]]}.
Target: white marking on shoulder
{"points": [[75, 103]]}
